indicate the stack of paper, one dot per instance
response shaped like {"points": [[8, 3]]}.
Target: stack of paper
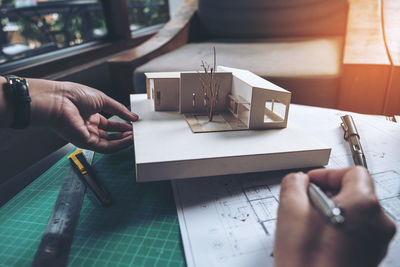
{"points": [[230, 220]]}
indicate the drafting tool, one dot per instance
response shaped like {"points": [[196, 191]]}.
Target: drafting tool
{"points": [[140, 228], [57, 239], [351, 135], [87, 175], [325, 205]]}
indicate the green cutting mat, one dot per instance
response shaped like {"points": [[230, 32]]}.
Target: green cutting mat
{"points": [[140, 229]]}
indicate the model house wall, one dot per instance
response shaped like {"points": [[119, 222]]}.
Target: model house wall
{"points": [[192, 98], [256, 102], [163, 88]]}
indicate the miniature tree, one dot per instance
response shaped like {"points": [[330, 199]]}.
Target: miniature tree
{"points": [[210, 86]]}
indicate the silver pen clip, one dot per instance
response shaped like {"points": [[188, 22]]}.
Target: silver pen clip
{"points": [[349, 127], [353, 138]]}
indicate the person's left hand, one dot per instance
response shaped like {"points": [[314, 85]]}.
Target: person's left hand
{"points": [[72, 111]]}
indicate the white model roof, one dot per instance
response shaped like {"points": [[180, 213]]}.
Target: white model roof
{"points": [[154, 75], [252, 79]]}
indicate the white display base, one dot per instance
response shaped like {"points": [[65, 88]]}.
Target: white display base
{"points": [[166, 148]]}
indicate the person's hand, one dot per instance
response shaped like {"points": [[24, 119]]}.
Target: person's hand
{"points": [[303, 236], [72, 111]]}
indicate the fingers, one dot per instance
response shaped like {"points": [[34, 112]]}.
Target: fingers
{"points": [[114, 136], [349, 181], [90, 101], [301, 229], [103, 142], [295, 184], [114, 126], [293, 193], [80, 123], [90, 137], [357, 180], [113, 107], [327, 178], [95, 136], [292, 219], [110, 144]]}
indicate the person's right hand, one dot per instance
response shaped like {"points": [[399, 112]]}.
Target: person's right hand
{"points": [[304, 238]]}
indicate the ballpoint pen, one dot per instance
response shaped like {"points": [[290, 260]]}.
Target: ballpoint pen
{"points": [[351, 135], [325, 205]]}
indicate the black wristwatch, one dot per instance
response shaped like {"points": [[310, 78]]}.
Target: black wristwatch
{"points": [[21, 101]]}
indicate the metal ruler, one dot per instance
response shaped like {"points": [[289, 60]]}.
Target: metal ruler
{"points": [[56, 242]]}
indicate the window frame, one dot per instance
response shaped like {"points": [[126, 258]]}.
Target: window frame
{"points": [[119, 38]]}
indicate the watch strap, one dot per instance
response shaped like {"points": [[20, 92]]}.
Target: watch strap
{"points": [[20, 100]]}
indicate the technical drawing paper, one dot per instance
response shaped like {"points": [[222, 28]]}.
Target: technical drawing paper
{"points": [[230, 220]]}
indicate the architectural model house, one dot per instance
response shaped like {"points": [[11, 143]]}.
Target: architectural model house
{"points": [[243, 100]]}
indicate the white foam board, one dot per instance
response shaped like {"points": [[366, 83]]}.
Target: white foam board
{"points": [[165, 147]]}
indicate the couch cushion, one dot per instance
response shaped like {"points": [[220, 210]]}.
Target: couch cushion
{"points": [[309, 68], [272, 18]]}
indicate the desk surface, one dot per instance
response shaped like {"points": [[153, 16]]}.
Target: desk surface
{"points": [[140, 229]]}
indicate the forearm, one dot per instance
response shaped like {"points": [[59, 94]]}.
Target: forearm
{"points": [[46, 99]]}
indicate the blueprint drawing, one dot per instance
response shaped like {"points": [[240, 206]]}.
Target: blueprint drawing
{"points": [[230, 220]]}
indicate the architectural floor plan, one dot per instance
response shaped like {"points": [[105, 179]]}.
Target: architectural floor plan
{"points": [[230, 220]]}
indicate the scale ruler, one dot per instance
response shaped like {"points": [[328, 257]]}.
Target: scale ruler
{"points": [[57, 239]]}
